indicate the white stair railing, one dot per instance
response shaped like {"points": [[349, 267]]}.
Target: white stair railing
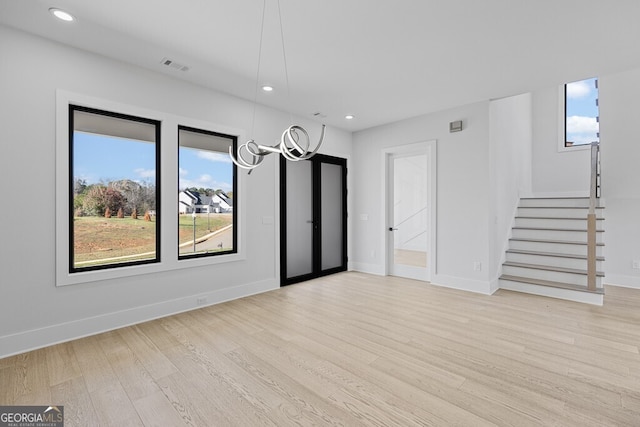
{"points": [[591, 218]]}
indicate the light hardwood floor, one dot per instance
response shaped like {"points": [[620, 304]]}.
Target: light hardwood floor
{"points": [[351, 349]]}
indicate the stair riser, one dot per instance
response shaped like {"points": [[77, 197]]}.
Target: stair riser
{"points": [[554, 276], [580, 202], [573, 236], [566, 294], [551, 261], [555, 223], [558, 212], [561, 248]]}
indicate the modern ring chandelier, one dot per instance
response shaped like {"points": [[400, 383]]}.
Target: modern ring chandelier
{"points": [[294, 144]]}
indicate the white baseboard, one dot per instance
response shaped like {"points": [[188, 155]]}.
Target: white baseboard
{"points": [[494, 285], [477, 286], [37, 338], [622, 281], [547, 291], [364, 267], [471, 285]]}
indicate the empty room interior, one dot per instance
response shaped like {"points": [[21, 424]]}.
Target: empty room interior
{"points": [[388, 213]]}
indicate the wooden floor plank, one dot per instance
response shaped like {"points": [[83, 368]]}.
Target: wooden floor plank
{"points": [[32, 378], [113, 407], [62, 363], [94, 364], [196, 408], [74, 396], [351, 349]]}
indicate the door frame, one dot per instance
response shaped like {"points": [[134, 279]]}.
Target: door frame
{"points": [[430, 149], [316, 163]]}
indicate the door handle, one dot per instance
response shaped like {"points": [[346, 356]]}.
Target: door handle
{"points": [[392, 229]]}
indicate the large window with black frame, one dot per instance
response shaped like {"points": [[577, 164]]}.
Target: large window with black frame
{"points": [[207, 190], [114, 204]]}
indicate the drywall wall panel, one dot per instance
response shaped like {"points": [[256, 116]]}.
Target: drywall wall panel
{"points": [[511, 164], [33, 311], [462, 193], [620, 157], [555, 171]]}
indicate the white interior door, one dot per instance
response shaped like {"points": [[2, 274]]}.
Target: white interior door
{"points": [[408, 215]]}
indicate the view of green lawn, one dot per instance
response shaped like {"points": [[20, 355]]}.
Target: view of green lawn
{"points": [[204, 225], [97, 239]]}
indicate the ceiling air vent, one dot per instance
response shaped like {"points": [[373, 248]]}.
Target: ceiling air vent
{"points": [[173, 64]]}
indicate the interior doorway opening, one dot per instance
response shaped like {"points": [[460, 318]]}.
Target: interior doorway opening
{"points": [[410, 210]]}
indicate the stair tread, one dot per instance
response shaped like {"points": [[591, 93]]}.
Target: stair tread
{"points": [[550, 283], [566, 242], [549, 268], [557, 217], [559, 207], [554, 229], [551, 254], [556, 198]]}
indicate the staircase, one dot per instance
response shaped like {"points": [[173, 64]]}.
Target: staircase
{"points": [[547, 252]]}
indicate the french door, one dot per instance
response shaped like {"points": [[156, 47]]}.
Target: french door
{"points": [[313, 218]]}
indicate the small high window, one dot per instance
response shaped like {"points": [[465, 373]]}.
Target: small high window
{"points": [[206, 192], [114, 196], [581, 116]]}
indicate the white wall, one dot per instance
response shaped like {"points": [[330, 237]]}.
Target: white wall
{"points": [[511, 151], [555, 172], [567, 172], [33, 311], [463, 191], [620, 160]]}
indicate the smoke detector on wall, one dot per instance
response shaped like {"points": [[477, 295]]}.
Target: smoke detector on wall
{"points": [[173, 64]]}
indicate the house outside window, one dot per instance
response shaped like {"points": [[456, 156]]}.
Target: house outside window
{"points": [[207, 224]]}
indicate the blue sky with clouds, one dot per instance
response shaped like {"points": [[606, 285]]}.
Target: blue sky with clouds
{"points": [[206, 169], [582, 125], [98, 158]]}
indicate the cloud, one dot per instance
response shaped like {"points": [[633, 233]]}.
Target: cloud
{"points": [[582, 130], [183, 172], [579, 89], [204, 181], [145, 173], [579, 124], [214, 157]]}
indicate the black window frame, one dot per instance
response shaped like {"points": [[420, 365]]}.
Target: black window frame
{"points": [[564, 116], [234, 145], [70, 214]]}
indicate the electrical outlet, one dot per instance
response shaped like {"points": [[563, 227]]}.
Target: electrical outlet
{"points": [[477, 266], [201, 301], [635, 264]]}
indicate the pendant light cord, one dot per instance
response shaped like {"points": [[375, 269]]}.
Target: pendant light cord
{"points": [[294, 144], [255, 95], [284, 58]]}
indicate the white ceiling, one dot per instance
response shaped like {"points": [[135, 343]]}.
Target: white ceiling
{"points": [[382, 60]]}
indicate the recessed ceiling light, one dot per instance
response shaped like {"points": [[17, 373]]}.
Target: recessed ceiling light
{"points": [[349, 117], [61, 14], [267, 88]]}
